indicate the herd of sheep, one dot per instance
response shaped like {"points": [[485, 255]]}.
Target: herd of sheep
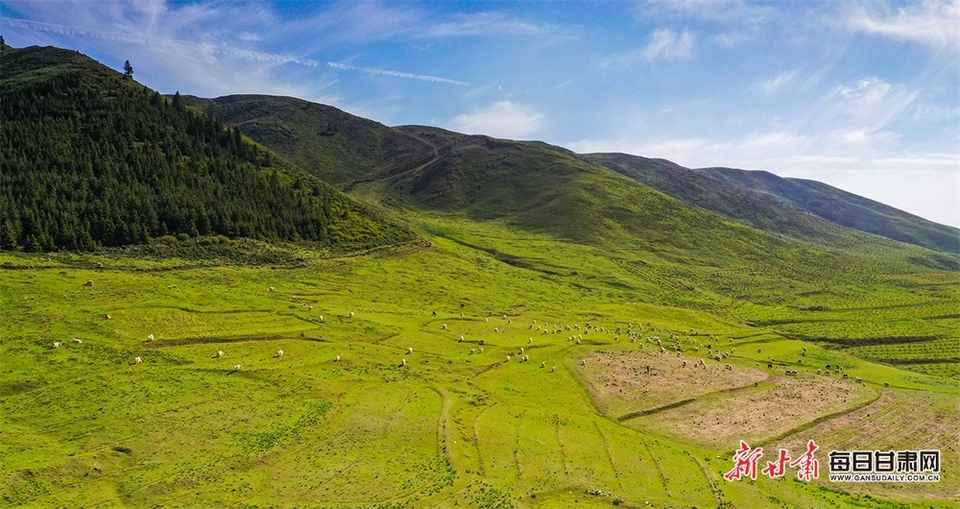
{"points": [[633, 333]]}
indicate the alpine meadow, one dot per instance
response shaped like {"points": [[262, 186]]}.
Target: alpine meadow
{"points": [[256, 301]]}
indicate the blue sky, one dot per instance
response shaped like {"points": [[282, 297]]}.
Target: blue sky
{"points": [[863, 95]]}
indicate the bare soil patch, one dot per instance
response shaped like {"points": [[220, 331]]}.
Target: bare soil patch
{"points": [[898, 420], [762, 413], [623, 383]]}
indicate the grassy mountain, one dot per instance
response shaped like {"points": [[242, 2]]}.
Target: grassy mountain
{"points": [[516, 363], [91, 158], [337, 147], [845, 208], [796, 207]]}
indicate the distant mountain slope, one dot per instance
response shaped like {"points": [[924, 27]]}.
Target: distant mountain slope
{"points": [[89, 158], [336, 146], [795, 207]]}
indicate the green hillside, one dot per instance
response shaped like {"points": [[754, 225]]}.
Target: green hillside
{"points": [[337, 147], [565, 336], [89, 158], [782, 205]]}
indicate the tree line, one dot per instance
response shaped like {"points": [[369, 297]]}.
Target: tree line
{"points": [[87, 163]]}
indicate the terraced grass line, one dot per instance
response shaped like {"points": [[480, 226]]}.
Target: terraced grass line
{"points": [[164, 343], [476, 442], [606, 450], [563, 455], [807, 425], [717, 494], [516, 446], [656, 463], [198, 311], [649, 411]]}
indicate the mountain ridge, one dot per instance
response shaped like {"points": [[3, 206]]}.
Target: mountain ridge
{"points": [[766, 210]]}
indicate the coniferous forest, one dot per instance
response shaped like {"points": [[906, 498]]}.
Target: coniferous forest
{"points": [[92, 159]]}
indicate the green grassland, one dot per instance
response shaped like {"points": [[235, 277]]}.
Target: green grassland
{"points": [[339, 421]]}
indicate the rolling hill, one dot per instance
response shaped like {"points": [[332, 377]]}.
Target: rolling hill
{"points": [[566, 337], [91, 158], [790, 206]]}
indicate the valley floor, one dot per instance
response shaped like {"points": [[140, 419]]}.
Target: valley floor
{"points": [[444, 376]]}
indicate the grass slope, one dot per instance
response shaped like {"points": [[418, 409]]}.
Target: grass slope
{"points": [[782, 205], [335, 146], [339, 421]]}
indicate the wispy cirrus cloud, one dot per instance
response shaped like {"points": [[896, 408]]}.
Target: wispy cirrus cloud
{"points": [[933, 23], [502, 119], [484, 24], [395, 74], [666, 44]]}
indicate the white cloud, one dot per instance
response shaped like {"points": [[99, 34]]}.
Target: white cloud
{"points": [[667, 45], [484, 24], [396, 74], [934, 23], [502, 119], [871, 104]]}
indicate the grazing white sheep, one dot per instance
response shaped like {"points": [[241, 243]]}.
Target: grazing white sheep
{"points": [[77, 340], [403, 362], [521, 350], [271, 288], [149, 337], [310, 308], [728, 367], [496, 329], [481, 349], [137, 360], [107, 317], [486, 320], [461, 339], [57, 344], [321, 318], [279, 353], [529, 340], [543, 364], [526, 358], [351, 314], [444, 326], [409, 350], [237, 367], [583, 362], [482, 342], [336, 359], [554, 368], [504, 317], [508, 358], [473, 351]]}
